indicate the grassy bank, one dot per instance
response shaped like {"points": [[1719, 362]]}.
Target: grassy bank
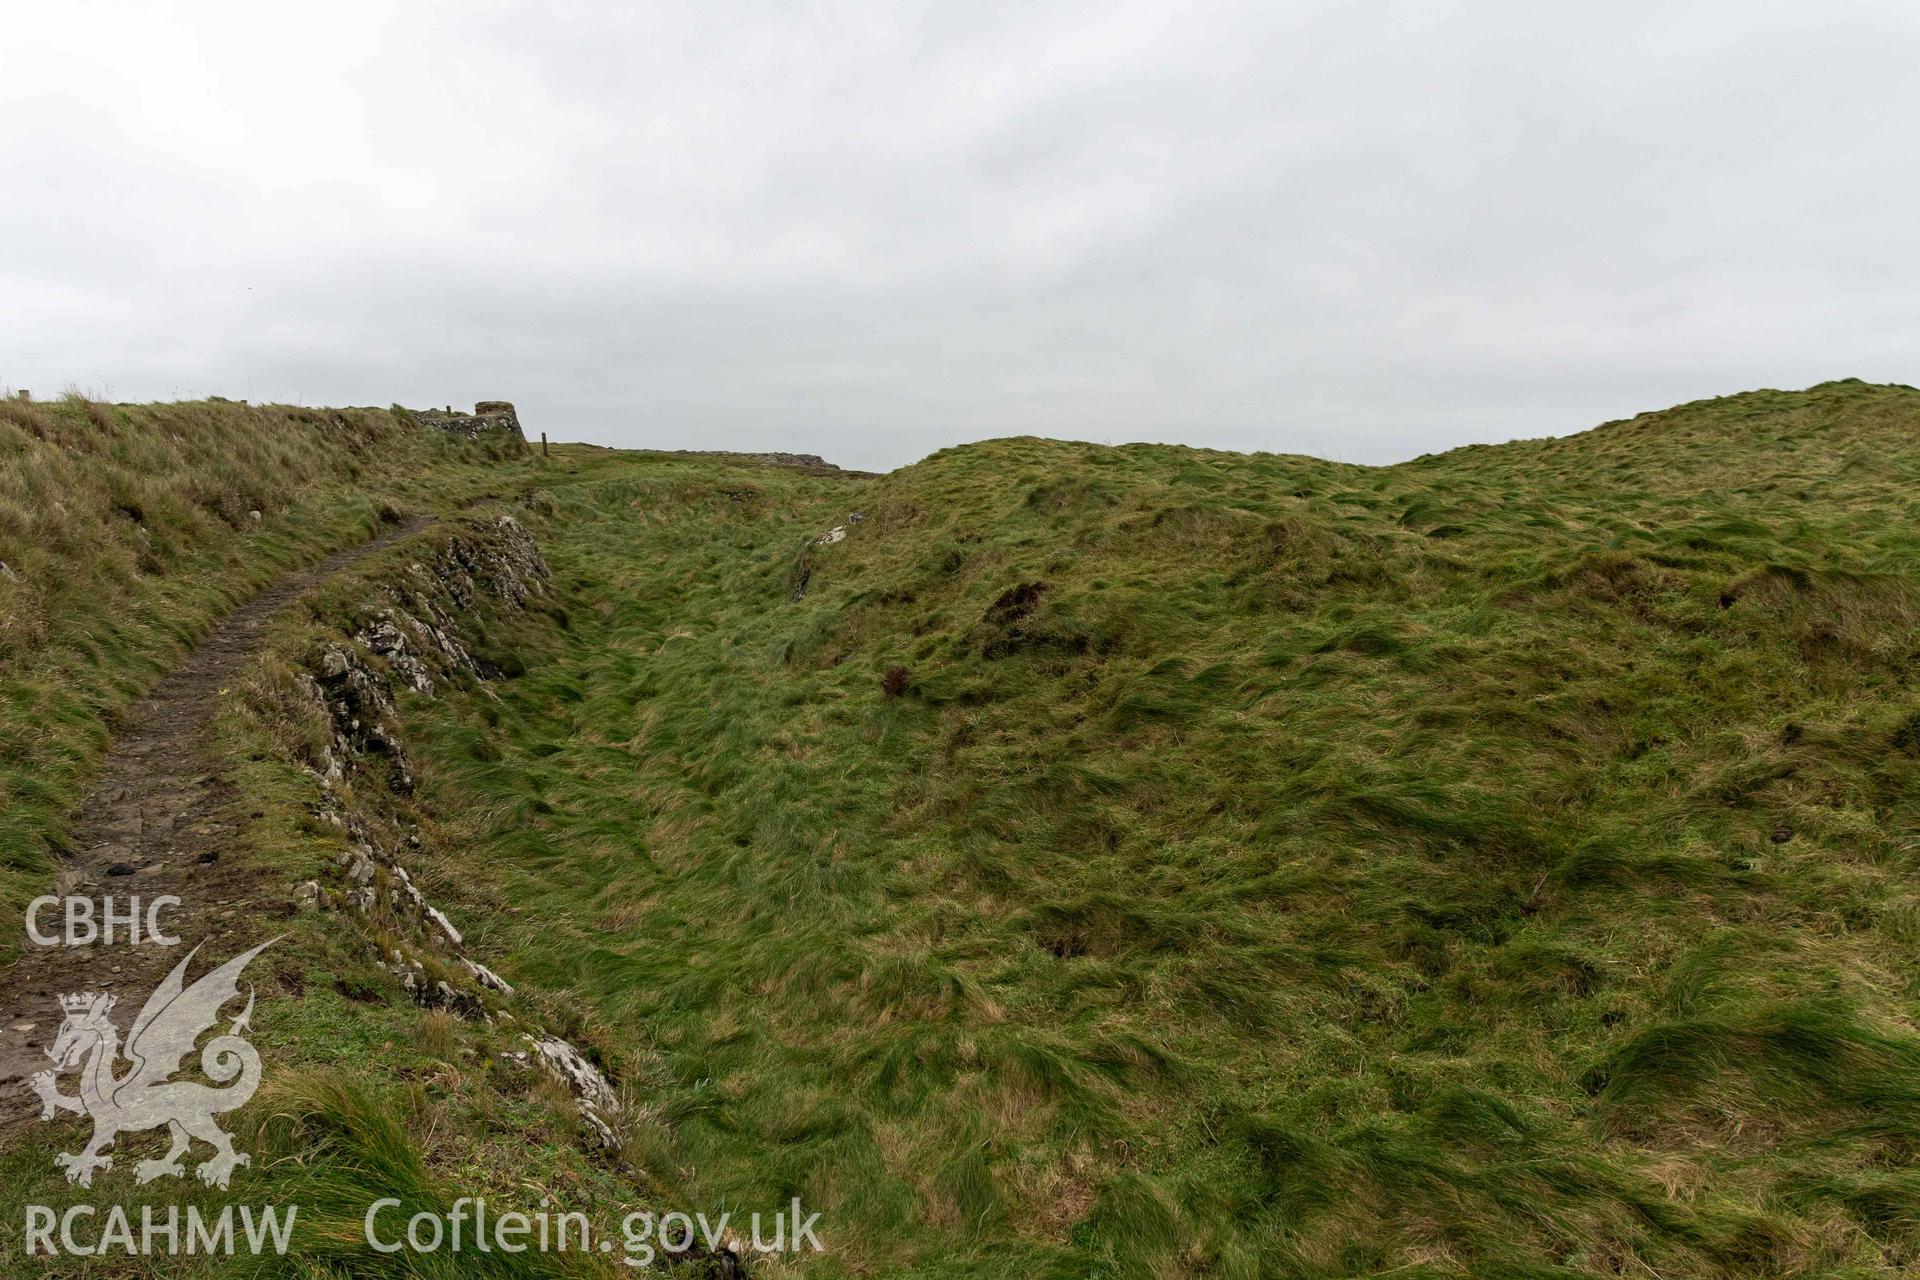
{"points": [[1128, 861], [366, 1095], [1147, 861], [126, 529]]}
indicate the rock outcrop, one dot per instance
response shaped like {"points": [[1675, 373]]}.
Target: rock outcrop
{"points": [[412, 640], [415, 637], [591, 1091]]}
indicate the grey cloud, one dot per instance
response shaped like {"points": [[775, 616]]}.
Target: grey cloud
{"points": [[874, 230]]}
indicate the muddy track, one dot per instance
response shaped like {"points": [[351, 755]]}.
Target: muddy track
{"points": [[162, 819]]}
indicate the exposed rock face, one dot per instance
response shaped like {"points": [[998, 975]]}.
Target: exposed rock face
{"points": [[591, 1090], [411, 639], [803, 571], [414, 640]]}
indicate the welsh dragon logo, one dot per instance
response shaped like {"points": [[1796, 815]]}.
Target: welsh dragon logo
{"points": [[144, 1097]]}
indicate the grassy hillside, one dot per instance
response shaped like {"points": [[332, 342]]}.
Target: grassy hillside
{"points": [[1148, 861], [1087, 861], [126, 529]]}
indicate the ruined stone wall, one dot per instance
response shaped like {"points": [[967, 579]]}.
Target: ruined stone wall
{"points": [[488, 417], [798, 461]]}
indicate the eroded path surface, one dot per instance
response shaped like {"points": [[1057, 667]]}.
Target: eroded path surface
{"points": [[161, 820]]}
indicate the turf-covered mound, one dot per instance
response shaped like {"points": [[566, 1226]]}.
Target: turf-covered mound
{"points": [[1052, 859]]}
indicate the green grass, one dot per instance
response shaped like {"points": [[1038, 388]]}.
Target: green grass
{"points": [[126, 530], [1148, 861], [365, 1095], [1500, 863]]}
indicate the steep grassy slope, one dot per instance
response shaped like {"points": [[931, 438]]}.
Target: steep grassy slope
{"points": [[125, 529], [1148, 861], [365, 1094]]}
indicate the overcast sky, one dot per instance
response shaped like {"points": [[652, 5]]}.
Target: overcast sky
{"points": [[870, 230]]}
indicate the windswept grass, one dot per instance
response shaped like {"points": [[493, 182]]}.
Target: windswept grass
{"points": [[1109, 862], [125, 530], [366, 1097], [1150, 862]]}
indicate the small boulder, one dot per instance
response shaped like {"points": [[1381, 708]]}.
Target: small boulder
{"points": [[359, 865]]}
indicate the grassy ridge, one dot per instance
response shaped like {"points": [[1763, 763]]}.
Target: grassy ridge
{"points": [[1148, 861], [126, 529], [365, 1095]]}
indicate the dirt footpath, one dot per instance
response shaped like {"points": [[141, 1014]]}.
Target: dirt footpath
{"points": [[160, 821]]}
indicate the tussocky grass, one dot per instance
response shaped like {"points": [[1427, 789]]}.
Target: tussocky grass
{"points": [[126, 530], [364, 1097], [1148, 861]]}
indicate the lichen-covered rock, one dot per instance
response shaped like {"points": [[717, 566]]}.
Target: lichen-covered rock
{"points": [[489, 417], [591, 1090], [413, 641], [486, 977], [358, 862]]}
